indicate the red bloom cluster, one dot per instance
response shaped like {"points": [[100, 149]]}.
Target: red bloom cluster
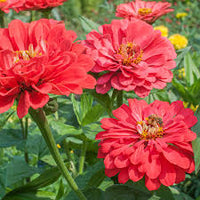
{"points": [[5, 5], [144, 10], [38, 4], [132, 56], [148, 140], [38, 58]]}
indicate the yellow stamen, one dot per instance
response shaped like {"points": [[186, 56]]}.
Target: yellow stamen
{"points": [[144, 11]]}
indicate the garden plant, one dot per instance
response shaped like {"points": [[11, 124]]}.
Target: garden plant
{"points": [[99, 100]]}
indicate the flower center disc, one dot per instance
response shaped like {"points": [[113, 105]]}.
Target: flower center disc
{"points": [[150, 128], [144, 11], [2, 1], [130, 53], [26, 54]]}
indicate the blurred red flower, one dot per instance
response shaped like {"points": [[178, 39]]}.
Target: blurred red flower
{"points": [[151, 141], [5, 5], [38, 4], [132, 56], [38, 58], [148, 11]]}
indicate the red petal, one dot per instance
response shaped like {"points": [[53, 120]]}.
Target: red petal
{"points": [[123, 176], [152, 184], [6, 102], [23, 105]]}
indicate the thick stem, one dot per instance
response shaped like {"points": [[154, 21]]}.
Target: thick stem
{"points": [[40, 119], [82, 157], [120, 98]]}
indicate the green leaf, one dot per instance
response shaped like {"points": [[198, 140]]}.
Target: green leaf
{"points": [[60, 190], [88, 25], [93, 115], [11, 137], [181, 54], [37, 195], [195, 143], [91, 130], [86, 104], [76, 108], [179, 195], [191, 70], [16, 171]]}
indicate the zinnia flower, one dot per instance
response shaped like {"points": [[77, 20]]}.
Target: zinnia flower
{"points": [[38, 58], [38, 4], [179, 41], [151, 141], [181, 15], [148, 11], [5, 5], [132, 56], [162, 29]]}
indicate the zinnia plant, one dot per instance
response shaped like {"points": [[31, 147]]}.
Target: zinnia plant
{"points": [[148, 11], [151, 141], [132, 56], [39, 58]]}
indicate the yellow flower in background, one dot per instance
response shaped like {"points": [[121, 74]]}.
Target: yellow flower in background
{"points": [[181, 15], [192, 107], [58, 146], [181, 73], [179, 41], [162, 29]]}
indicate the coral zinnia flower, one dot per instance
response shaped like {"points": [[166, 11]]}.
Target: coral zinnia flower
{"points": [[151, 141], [132, 55], [38, 4], [5, 5], [147, 11], [38, 58]]}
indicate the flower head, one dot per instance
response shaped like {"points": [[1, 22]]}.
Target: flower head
{"points": [[5, 5], [147, 11], [38, 4], [151, 141], [179, 41], [181, 15], [162, 29], [38, 58], [132, 56]]}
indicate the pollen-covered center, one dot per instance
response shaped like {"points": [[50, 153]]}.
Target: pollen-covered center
{"points": [[130, 53], [2, 1], [150, 128], [26, 55], [144, 11]]}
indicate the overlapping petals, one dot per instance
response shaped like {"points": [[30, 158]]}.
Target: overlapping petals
{"points": [[130, 55], [148, 11], [38, 58], [151, 141], [38, 4], [5, 5]]}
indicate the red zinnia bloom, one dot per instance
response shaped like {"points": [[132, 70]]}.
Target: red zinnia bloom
{"points": [[5, 5], [132, 55], [151, 141], [38, 58], [144, 10], [38, 4]]}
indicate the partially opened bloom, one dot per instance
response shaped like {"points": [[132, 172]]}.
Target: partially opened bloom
{"points": [[38, 58], [132, 56], [151, 141], [38, 4], [148, 11]]}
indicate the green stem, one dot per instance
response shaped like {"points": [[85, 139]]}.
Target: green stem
{"points": [[2, 23], [46, 13], [25, 135], [40, 119], [120, 98], [33, 15], [82, 157], [71, 160]]}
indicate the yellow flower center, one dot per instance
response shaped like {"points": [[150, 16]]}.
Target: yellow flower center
{"points": [[150, 128], [130, 53], [26, 54], [2, 1], [144, 11]]}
